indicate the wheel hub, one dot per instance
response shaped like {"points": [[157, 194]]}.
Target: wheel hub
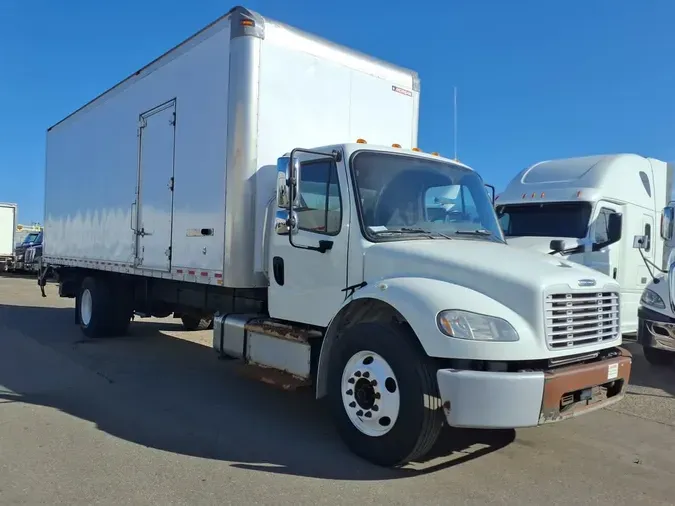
{"points": [[370, 393]]}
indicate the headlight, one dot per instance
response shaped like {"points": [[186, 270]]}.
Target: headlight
{"points": [[651, 298], [474, 326]]}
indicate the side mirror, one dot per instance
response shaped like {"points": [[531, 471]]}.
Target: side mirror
{"points": [[614, 222], [667, 217], [491, 192], [285, 223], [640, 241], [282, 185], [556, 246], [285, 178]]}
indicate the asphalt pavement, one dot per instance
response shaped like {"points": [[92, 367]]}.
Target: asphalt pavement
{"points": [[156, 418]]}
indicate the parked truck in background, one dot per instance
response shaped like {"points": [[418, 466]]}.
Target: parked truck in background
{"points": [[25, 251], [7, 231], [588, 209], [656, 314], [217, 184]]}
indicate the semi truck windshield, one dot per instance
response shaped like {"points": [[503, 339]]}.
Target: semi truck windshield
{"points": [[402, 195], [553, 219]]}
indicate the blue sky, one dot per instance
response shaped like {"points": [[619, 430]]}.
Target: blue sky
{"points": [[536, 79]]}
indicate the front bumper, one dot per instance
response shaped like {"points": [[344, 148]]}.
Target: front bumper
{"points": [[655, 330], [509, 400]]}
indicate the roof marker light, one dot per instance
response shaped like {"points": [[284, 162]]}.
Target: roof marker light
{"points": [[435, 153], [578, 193], [542, 195], [524, 195], [361, 141], [416, 149], [395, 145], [534, 194]]}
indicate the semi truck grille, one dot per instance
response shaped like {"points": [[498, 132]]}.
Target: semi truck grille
{"points": [[578, 319]]}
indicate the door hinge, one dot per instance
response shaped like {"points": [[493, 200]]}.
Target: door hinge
{"points": [[142, 122], [170, 185], [168, 252], [172, 121]]}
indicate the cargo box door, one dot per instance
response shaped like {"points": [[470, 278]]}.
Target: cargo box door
{"points": [[155, 187]]}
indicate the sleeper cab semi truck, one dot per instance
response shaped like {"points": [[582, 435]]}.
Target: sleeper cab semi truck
{"points": [[656, 314], [183, 191], [588, 210]]}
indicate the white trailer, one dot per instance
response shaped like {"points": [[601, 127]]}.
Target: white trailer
{"points": [[7, 231], [592, 207], [183, 190]]}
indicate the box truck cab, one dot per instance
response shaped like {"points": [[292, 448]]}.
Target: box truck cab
{"points": [[230, 191], [656, 314], [588, 209]]}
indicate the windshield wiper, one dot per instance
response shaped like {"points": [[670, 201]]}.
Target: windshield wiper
{"points": [[481, 231], [411, 230]]}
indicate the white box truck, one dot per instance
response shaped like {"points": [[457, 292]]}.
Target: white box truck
{"points": [[218, 184], [7, 231], [589, 209]]}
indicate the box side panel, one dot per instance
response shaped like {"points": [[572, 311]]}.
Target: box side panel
{"points": [[7, 229], [92, 162], [312, 93]]}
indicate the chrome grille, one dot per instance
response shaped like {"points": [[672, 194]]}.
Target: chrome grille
{"points": [[578, 319], [29, 255]]}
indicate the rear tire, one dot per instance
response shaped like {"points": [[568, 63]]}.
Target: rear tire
{"points": [[191, 323], [95, 308], [659, 357], [384, 421]]}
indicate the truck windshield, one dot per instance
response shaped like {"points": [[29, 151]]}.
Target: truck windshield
{"points": [[404, 196], [32, 237], [553, 219]]}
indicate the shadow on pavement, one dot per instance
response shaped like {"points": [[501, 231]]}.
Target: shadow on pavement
{"points": [[646, 375], [165, 392]]}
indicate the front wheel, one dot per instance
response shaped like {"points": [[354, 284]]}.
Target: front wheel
{"points": [[659, 357], [383, 394]]}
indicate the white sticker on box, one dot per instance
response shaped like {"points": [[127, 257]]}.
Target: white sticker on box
{"points": [[613, 371]]}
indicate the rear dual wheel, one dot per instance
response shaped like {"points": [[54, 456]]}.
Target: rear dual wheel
{"points": [[103, 308], [383, 394]]}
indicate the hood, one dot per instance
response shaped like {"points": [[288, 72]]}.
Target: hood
{"points": [[540, 244], [504, 273]]}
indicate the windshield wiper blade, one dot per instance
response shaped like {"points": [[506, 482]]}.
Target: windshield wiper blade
{"points": [[480, 231], [413, 230]]}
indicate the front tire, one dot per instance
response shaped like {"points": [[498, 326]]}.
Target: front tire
{"points": [[659, 357], [383, 394]]}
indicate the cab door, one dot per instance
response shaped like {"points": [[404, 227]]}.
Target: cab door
{"points": [[308, 263]]}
